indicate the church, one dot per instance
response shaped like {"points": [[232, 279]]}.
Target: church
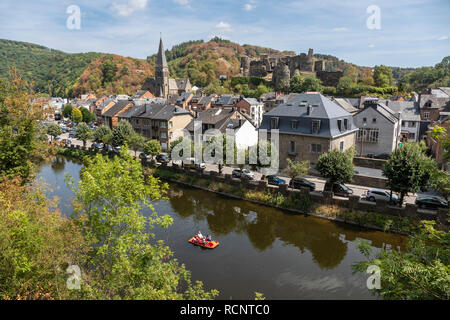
{"points": [[161, 85]]}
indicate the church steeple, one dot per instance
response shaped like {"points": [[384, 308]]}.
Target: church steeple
{"points": [[161, 59], [162, 72]]}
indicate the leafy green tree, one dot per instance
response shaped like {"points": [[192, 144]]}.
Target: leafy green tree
{"points": [[344, 85], [20, 142], [382, 75], [109, 69], [125, 260], [76, 115], [336, 166], [296, 169], [83, 133], [152, 148], [67, 111], [419, 273], [122, 133], [100, 133], [408, 170], [351, 72], [311, 83], [296, 83], [88, 116], [136, 142], [54, 130]]}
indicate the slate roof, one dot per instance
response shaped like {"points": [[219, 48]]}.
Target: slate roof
{"points": [[121, 104], [346, 105], [160, 111], [215, 116], [408, 109], [161, 58], [252, 101], [323, 109], [226, 100]]}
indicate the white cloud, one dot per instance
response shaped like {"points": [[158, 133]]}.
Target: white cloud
{"points": [[340, 29], [371, 45], [224, 27], [127, 9], [443, 38], [249, 7]]}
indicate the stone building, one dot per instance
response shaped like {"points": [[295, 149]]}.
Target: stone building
{"points": [[163, 86]]}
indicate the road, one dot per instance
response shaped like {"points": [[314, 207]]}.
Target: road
{"points": [[320, 182]]}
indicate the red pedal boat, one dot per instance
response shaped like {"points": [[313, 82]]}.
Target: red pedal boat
{"points": [[208, 244]]}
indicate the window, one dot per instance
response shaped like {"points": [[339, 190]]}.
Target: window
{"points": [[171, 135], [316, 148], [146, 123], [368, 135], [146, 132], [274, 123], [163, 135], [315, 126], [291, 146], [426, 115], [411, 136], [374, 120], [341, 146], [170, 124], [345, 124], [339, 124], [163, 124], [364, 120], [136, 121], [412, 124], [294, 124], [404, 123]]}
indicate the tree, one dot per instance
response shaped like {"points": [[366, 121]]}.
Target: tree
{"points": [[152, 148], [100, 134], [344, 85], [122, 133], [54, 130], [76, 115], [125, 260], [83, 132], [136, 142], [87, 115], [67, 111], [296, 83], [20, 142], [297, 169], [351, 72], [336, 166], [311, 83], [408, 170], [419, 273], [382, 75]]}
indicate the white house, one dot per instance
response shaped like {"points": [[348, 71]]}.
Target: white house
{"points": [[379, 128]]}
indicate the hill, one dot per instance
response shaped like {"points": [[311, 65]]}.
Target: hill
{"points": [[53, 72]]}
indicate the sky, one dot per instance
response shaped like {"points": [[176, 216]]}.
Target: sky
{"points": [[400, 33]]}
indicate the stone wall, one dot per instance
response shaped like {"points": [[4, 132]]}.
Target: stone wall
{"points": [[369, 162], [329, 78]]}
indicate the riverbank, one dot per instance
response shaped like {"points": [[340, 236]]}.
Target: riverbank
{"points": [[298, 203]]}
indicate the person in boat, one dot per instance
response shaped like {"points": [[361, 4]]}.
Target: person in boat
{"points": [[199, 235], [208, 237]]}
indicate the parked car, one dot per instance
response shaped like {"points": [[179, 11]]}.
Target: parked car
{"points": [[431, 203], [298, 183], [72, 134], [239, 173], [274, 180], [117, 149], [162, 158], [378, 194], [110, 148], [97, 146], [191, 163], [57, 138], [66, 141], [338, 189]]}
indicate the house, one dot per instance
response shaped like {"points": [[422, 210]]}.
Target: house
{"points": [[435, 146], [88, 96], [309, 125], [183, 100], [379, 128], [161, 85], [344, 103], [102, 108], [222, 119], [251, 107], [161, 121], [97, 103], [142, 94], [410, 117], [200, 103], [432, 103], [111, 116], [225, 101]]}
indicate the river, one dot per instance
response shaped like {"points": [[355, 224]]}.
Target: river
{"points": [[262, 249]]}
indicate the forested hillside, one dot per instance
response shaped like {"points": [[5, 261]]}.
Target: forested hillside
{"points": [[53, 72]]}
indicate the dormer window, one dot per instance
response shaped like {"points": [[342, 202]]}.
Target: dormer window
{"points": [[428, 104], [345, 124], [339, 124], [294, 124], [315, 126], [274, 123]]}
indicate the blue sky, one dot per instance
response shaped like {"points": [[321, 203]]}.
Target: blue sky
{"points": [[413, 33]]}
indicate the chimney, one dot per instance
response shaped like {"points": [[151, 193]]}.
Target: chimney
{"points": [[308, 110]]}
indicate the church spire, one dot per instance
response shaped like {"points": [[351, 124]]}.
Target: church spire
{"points": [[161, 58]]}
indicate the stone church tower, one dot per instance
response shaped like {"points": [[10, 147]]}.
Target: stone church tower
{"points": [[162, 72]]}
